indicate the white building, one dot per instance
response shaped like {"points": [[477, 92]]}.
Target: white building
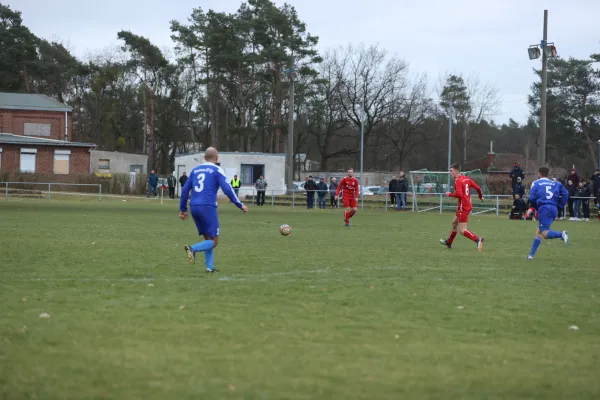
{"points": [[247, 166]]}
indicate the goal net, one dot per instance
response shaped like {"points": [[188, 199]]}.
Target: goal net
{"points": [[429, 187]]}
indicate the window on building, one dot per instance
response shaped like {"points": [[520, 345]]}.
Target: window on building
{"points": [[28, 160], [136, 168], [61, 162], [103, 164], [44, 130], [250, 173]]}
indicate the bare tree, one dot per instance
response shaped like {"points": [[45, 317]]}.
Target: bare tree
{"points": [[472, 102], [373, 82], [403, 131]]}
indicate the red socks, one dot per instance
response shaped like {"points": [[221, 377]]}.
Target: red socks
{"points": [[471, 235], [346, 217], [351, 214], [451, 237]]}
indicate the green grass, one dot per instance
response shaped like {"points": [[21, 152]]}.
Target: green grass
{"points": [[371, 312]]}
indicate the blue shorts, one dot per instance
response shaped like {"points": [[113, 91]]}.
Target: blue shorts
{"points": [[546, 216], [207, 220]]}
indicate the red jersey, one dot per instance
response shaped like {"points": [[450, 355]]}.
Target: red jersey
{"points": [[349, 187], [462, 191]]}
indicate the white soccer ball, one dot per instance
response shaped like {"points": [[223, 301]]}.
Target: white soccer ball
{"points": [[285, 229]]}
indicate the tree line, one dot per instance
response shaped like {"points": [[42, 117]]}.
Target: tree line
{"points": [[225, 83]]}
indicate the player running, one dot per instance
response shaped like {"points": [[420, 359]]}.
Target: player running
{"points": [[462, 191], [205, 180], [349, 188], [547, 195]]}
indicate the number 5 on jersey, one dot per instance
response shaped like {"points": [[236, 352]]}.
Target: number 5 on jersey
{"points": [[200, 186], [549, 193]]}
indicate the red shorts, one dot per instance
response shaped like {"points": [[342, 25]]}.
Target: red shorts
{"points": [[463, 216], [349, 203]]}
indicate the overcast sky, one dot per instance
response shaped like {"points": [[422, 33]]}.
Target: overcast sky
{"points": [[434, 36]]}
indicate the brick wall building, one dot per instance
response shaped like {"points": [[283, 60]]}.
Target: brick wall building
{"points": [[36, 134]]}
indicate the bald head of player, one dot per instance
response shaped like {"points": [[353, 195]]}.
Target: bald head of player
{"points": [[211, 155]]}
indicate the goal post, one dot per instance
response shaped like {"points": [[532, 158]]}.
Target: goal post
{"points": [[428, 190]]}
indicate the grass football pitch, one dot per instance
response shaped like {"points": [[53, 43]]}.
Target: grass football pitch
{"points": [[377, 311]]}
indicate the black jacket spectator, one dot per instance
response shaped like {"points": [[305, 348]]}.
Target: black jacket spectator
{"points": [[310, 186], [183, 179], [573, 177], [402, 185], [322, 188], [515, 173], [595, 180]]}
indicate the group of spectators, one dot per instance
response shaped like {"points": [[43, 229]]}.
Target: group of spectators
{"points": [[581, 191], [398, 189]]}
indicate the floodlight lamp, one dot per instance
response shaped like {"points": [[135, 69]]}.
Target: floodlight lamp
{"points": [[550, 50], [534, 52]]}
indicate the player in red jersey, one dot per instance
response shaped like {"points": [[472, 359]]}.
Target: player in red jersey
{"points": [[462, 191], [349, 188]]}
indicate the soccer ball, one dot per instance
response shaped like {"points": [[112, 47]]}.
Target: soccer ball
{"points": [[285, 229]]}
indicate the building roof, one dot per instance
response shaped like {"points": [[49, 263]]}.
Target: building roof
{"points": [[8, 138], [31, 101], [234, 153]]}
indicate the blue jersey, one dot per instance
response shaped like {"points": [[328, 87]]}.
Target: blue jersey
{"points": [[204, 183], [546, 192]]}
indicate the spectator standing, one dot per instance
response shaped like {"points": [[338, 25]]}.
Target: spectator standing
{"points": [[402, 189], [572, 189], [235, 184], [183, 179], [515, 173], [310, 186], [261, 187], [152, 183], [333, 185], [171, 182], [393, 188], [322, 189], [582, 204], [574, 177]]}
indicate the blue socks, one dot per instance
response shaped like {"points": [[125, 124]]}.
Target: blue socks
{"points": [[554, 235], [203, 246], [207, 247], [536, 243], [209, 258]]}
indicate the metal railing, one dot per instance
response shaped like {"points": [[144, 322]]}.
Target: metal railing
{"points": [[415, 202], [48, 189]]}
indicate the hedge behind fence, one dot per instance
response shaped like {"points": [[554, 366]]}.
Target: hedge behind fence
{"points": [[113, 184]]}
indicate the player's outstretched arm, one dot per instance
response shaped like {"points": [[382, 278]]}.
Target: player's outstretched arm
{"points": [[227, 189], [477, 189]]}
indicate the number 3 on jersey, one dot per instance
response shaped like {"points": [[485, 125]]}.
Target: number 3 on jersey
{"points": [[200, 186]]}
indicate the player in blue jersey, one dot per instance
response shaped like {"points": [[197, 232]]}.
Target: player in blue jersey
{"points": [[204, 183], [545, 196]]}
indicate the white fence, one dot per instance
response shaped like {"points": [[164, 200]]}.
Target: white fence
{"points": [[37, 190], [415, 202]]}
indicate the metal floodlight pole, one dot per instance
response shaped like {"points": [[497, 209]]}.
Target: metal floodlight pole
{"points": [[362, 149], [543, 90], [450, 142], [290, 139], [598, 154]]}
